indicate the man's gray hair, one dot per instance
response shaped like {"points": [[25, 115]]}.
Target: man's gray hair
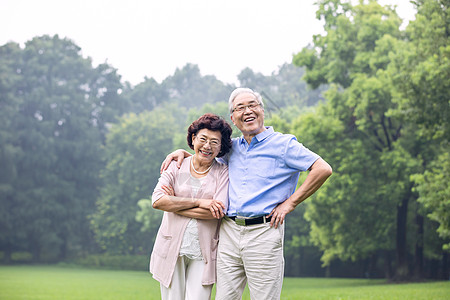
{"points": [[241, 90]]}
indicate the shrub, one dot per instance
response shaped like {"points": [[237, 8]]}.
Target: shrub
{"points": [[115, 262]]}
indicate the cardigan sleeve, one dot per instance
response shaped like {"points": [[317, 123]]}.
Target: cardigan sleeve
{"points": [[166, 178]]}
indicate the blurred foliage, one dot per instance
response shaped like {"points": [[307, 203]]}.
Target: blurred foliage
{"points": [[111, 262]]}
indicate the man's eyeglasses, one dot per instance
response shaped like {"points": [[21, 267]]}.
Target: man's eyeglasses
{"points": [[212, 143], [241, 108]]}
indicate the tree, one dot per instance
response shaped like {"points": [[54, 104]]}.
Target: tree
{"points": [[189, 89], [58, 107], [134, 151], [420, 70], [435, 194], [373, 176], [12, 236], [146, 95]]}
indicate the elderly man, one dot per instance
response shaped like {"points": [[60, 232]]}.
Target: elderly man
{"points": [[264, 168]]}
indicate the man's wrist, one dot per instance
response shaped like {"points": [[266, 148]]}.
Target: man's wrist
{"points": [[186, 153]]}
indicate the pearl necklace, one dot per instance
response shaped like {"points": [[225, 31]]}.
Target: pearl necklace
{"points": [[200, 173]]}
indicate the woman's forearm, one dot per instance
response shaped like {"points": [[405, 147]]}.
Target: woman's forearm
{"points": [[196, 213], [170, 203], [174, 204]]}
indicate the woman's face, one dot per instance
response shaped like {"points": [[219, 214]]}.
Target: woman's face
{"points": [[207, 144]]}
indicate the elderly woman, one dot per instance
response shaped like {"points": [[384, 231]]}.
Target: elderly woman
{"points": [[193, 198]]}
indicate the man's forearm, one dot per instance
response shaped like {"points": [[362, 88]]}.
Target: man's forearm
{"points": [[177, 155], [319, 173]]}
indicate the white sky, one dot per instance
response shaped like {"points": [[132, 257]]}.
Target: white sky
{"points": [[153, 38]]}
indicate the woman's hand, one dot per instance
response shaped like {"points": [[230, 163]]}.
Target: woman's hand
{"points": [[216, 207], [168, 190]]}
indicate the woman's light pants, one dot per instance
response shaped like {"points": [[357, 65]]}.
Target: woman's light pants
{"points": [[187, 282]]}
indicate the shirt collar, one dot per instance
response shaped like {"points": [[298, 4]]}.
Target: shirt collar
{"points": [[261, 136]]}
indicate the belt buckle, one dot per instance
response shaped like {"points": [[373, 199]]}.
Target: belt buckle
{"points": [[240, 221]]}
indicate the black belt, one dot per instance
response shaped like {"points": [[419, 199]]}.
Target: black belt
{"points": [[250, 221]]}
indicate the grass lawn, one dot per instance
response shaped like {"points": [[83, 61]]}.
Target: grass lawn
{"points": [[53, 282]]}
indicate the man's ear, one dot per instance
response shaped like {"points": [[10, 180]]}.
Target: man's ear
{"points": [[232, 119]]}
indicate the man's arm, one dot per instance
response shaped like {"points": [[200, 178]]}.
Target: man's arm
{"points": [[177, 155], [318, 174]]}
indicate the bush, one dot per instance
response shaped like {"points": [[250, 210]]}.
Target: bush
{"points": [[115, 262], [17, 257]]}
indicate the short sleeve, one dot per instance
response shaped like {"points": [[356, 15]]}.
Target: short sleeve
{"points": [[298, 156], [221, 193], [224, 159]]}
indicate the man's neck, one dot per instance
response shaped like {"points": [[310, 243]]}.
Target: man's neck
{"points": [[249, 137]]}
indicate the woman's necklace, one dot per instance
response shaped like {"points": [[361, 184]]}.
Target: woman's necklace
{"points": [[200, 173]]}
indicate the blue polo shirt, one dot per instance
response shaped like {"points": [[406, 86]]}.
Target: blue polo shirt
{"points": [[265, 172]]}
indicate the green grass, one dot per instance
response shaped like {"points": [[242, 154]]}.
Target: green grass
{"points": [[357, 289], [50, 282], [55, 282]]}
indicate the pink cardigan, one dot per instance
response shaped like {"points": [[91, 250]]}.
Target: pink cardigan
{"points": [[170, 233]]}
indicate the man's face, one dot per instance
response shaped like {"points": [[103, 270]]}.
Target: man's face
{"points": [[248, 115]]}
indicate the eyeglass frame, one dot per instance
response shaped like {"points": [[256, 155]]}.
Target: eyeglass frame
{"points": [[202, 140], [241, 108]]}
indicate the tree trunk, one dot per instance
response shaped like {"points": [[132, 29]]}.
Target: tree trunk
{"points": [[36, 254], [372, 265], [7, 253], [387, 265], [63, 250], [401, 271], [418, 253], [301, 261], [34, 249], [445, 267], [328, 271]]}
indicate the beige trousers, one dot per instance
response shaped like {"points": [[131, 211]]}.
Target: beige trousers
{"points": [[187, 282], [250, 255]]}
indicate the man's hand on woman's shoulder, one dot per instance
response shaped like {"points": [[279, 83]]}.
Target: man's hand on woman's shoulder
{"points": [[177, 155]]}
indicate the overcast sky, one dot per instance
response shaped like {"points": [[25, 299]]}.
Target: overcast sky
{"points": [[153, 38]]}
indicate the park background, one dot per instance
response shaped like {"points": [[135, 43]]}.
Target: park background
{"points": [[80, 149]]}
